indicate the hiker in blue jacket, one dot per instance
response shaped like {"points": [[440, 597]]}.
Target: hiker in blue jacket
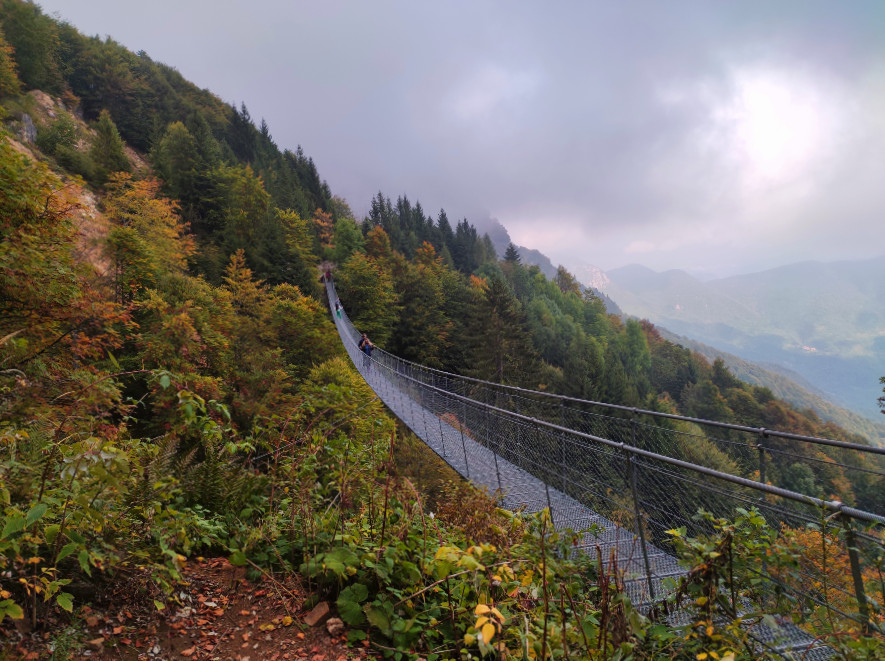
{"points": [[366, 347]]}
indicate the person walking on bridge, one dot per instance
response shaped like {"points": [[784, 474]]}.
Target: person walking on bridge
{"points": [[367, 348]]}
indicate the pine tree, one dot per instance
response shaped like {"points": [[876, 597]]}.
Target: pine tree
{"points": [[107, 149], [501, 347], [512, 254], [177, 160], [422, 332], [447, 236]]}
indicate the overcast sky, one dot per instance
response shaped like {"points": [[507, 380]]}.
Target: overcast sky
{"points": [[716, 136]]}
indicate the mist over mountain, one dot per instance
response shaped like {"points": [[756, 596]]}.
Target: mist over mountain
{"points": [[824, 321]]}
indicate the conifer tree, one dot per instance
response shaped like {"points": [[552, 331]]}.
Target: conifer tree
{"points": [[177, 161], [501, 347], [107, 149], [447, 236], [422, 333], [512, 254]]}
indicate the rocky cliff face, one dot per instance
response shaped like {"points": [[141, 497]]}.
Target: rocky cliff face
{"points": [[594, 277], [92, 225]]}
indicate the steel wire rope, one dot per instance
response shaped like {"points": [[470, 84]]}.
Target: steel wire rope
{"points": [[834, 505], [825, 462], [637, 411]]}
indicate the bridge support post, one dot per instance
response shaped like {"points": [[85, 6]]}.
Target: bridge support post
{"points": [[411, 384], [760, 446], [562, 441], [424, 413], [463, 444], [442, 439], [546, 485], [856, 575], [640, 531], [494, 447], [498, 472]]}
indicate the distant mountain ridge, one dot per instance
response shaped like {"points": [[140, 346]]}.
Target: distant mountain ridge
{"points": [[824, 321]]}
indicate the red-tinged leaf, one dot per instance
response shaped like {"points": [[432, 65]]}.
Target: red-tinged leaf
{"points": [[126, 641], [189, 651], [118, 630]]}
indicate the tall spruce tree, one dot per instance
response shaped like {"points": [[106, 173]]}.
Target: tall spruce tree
{"points": [[512, 254], [501, 347], [107, 149]]}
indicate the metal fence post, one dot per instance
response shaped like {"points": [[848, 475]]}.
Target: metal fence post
{"points": [[640, 531], [488, 429], [856, 575], [546, 486], [424, 412], [442, 439], [463, 444], [497, 471], [761, 448], [562, 461]]}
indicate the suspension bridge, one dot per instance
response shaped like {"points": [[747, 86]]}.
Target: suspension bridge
{"points": [[625, 477]]}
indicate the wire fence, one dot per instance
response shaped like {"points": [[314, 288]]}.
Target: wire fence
{"points": [[626, 477]]}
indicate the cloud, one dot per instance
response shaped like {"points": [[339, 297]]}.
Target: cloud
{"points": [[639, 247], [490, 91]]}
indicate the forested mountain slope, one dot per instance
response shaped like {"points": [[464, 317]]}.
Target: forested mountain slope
{"points": [[788, 386]]}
